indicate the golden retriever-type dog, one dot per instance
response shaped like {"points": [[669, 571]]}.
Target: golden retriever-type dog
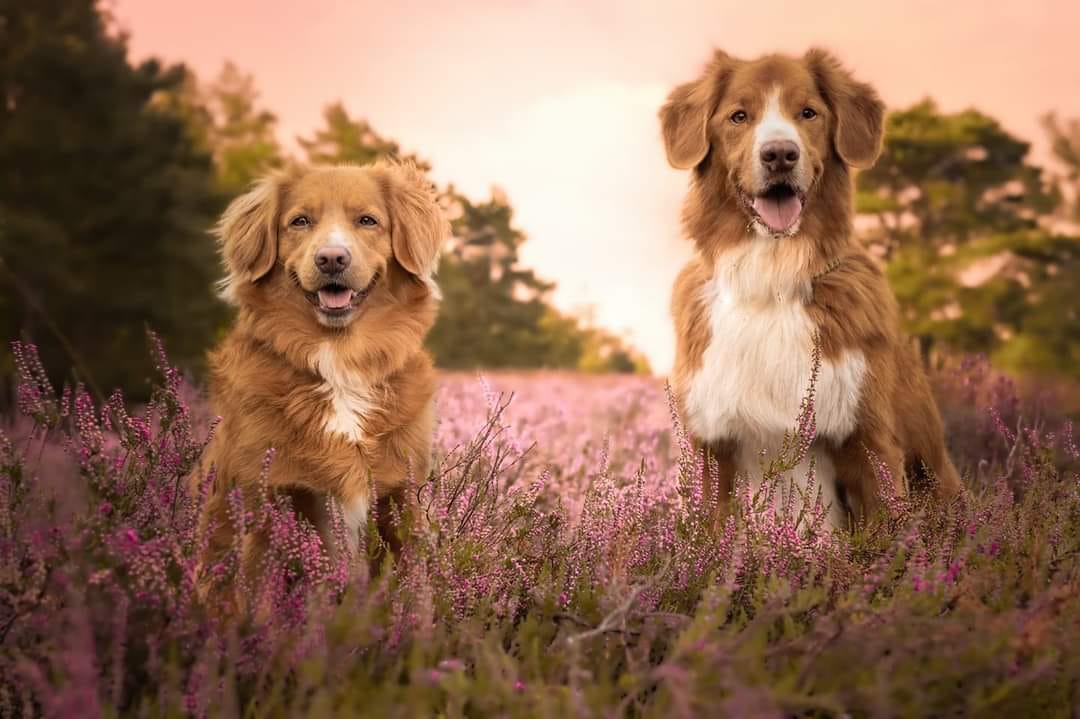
{"points": [[331, 270], [772, 144]]}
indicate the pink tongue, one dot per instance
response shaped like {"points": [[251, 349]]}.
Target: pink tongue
{"points": [[778, 214], [335, 299]]}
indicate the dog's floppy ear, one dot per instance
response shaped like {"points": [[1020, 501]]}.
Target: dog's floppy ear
{"points": [[418, 227], [684, 118], [860, 113], [248, 233]]}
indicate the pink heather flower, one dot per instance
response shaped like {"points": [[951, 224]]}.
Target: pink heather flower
{"points": [[952, 573], [999, 424], [1068, 441], [452, 665], [605, 511]]}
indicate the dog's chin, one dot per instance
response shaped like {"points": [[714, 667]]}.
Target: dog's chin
{"points": [[335, 319], [336, 304], [776, 211]]}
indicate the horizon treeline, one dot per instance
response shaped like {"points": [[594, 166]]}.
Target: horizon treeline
{"points": [[115, 172]]}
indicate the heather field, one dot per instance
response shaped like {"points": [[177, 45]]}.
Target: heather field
{"points": [[557, 562]]}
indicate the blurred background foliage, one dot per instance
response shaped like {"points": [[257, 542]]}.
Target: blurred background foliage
{"points": [[980, 244], [114, 173]]}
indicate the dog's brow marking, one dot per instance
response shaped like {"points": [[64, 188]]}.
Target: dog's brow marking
{"points": [[337, 237], [349, 396]]}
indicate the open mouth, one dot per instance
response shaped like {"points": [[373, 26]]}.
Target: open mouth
{"points": [[337, 300], [778, 208]]}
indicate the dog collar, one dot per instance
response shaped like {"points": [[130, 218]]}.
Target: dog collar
{"points": [[828, 268]]}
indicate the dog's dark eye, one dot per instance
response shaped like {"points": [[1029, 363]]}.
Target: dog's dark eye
{"points": [[738, 117], [367, 221], [808, 113], [300, 221]]}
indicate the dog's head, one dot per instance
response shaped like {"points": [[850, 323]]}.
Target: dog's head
{"points": [[767, 131], [329, 238]]}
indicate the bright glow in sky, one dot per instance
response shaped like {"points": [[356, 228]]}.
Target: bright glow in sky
{"points": [[555, 101]]}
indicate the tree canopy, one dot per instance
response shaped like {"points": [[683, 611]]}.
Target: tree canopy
{"points": [[965, 223], [104, 201], [117, 171], [1065, 144], [948, 177], [350, 140]]}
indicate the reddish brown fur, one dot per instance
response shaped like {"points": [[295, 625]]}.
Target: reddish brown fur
{"points": [[852, 306], [265, 375]]}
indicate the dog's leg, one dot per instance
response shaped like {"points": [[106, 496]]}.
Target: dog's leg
{"points": [[393, 477], [404, 461], [218, 533], [923, 435], [389, 512], [929, 468], [718, 476], [947, 482], [871, 455], [355, 515]]}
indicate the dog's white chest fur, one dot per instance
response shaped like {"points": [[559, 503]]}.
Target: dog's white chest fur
{"points": [[349, 399], [757, 365], [348, 395]]}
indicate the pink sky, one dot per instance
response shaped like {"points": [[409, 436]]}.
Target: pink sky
{"points": [[555, 102]]}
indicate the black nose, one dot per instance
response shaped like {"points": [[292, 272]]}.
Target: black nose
{"points": [[331, 260], [779, 155]]}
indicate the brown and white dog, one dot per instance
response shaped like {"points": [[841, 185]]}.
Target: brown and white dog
{"points": [[331, 270], [772, 144]]}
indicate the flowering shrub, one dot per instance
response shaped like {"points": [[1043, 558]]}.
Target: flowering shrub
{"points": [[559, 561]]}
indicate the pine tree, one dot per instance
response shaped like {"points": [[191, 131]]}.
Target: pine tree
{"points": [[962, 220], [350, 140], [104, 202], [242, 136]]}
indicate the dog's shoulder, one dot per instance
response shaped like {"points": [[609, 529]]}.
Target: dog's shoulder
{"points": [[690, 312], [687, 296]]}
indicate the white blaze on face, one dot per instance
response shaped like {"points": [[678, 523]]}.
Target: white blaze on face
{"points": [[776, 214], [337, 237], [774, 126]]}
